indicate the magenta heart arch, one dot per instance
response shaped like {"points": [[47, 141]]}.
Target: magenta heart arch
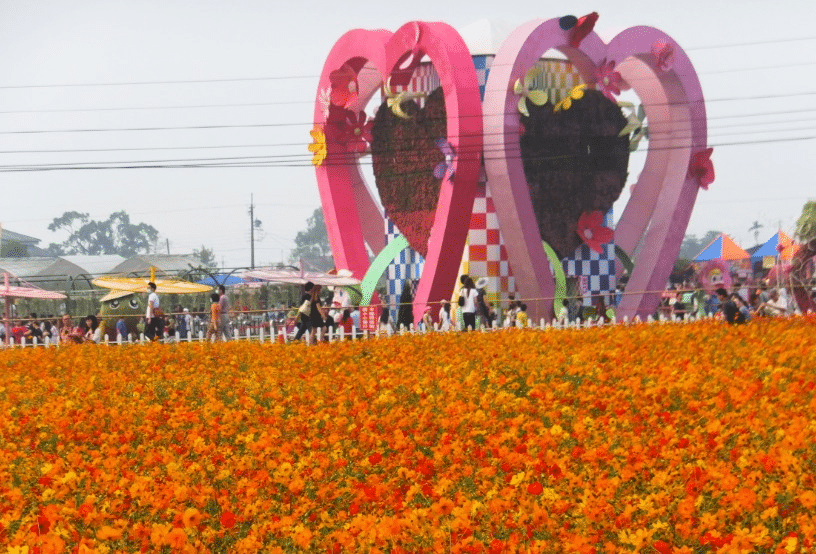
{"points": [[652, 225], [359, 64]]}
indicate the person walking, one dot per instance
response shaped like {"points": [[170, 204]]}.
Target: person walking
{"points": [[154, 316], [469, 295], [224, 303]]}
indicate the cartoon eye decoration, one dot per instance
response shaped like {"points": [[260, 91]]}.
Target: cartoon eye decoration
{"points": [[114, 304], [134, 303]]}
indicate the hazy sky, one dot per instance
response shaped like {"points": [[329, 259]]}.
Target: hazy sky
{"points": [[249, 71]]}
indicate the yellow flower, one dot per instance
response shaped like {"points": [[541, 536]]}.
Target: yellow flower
{"points": [[318, 146], [576, 93]]}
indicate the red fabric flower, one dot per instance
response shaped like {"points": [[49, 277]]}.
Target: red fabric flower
{"points": [[608, 80], [582, 29], [662, 546], [592, 232], [350, 129], [535, 488], [228, 520], [343, 86], [663, 53], [702, 168], [375, 458]]}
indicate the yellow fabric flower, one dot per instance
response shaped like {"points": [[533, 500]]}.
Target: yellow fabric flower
{"points": [[576, 93], [318, 146]]}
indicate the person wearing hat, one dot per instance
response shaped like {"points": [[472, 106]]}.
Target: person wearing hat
{"points": [[427, 320]]}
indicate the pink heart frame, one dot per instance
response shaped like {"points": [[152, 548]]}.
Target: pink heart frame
{"points": [[351, 214], [662, 200]]}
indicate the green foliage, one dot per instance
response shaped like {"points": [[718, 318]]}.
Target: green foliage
{"points": [[207, 258], [312, 244], [692, 246], [116, 235], [806, 224]]}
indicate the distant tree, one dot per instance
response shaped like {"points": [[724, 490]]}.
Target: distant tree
{"points": [[806, 224], [207, 258], [312, 244], [692, 246], [116, 235]]}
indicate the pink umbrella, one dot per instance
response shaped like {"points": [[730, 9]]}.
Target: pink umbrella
{"points": [[9, 291]]}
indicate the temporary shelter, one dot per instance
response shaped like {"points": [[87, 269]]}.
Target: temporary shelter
{"points": [[722, 248]]}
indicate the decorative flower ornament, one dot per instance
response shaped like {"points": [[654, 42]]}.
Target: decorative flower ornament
{"points": [[582, 28], [394, 100], [663, 52], [344, 86], [608, 80], [355, 131], [445, 169], [702, 168], [592, 232], [318, 145], [325, 101], [522, 88], [576, 93]]}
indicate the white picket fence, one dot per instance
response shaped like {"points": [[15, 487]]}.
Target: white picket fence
{"points": [[356, 334]]}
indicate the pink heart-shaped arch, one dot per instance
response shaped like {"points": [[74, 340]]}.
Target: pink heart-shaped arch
{"points": [[352, 217], [665, 193]]}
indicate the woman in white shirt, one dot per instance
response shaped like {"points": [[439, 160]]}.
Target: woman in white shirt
{"points": [[469, 294], [445, 317], [94, 333]]}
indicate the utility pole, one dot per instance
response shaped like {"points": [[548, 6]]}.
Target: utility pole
{"points": [[755, 228], [252, 231]]}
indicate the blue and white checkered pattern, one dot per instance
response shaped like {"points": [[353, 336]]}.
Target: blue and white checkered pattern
{"points": [[407, 266], [599, 269], [482, 64]]}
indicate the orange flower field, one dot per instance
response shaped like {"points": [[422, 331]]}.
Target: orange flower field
{"points": [[641, 438]]}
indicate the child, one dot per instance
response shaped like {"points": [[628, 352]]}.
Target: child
{"points": [[521, 317], [215, 316]]}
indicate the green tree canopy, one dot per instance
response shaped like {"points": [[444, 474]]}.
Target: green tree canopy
{"points": [[806, 224], [207, 258], [312, 244], [692, 245], [116, 235]]}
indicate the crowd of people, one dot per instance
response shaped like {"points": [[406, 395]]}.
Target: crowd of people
{"points": [[737, 306], [324, 312]]}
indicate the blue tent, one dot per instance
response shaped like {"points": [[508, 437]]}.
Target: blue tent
{"points": [[769, 248], [222, 279]]}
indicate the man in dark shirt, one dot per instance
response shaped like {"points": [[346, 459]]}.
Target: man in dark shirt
{"points": [[729, 309]]}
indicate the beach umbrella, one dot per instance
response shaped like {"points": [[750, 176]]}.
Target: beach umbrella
{"points": [[722, 248], [222, 279], [8, 292]]}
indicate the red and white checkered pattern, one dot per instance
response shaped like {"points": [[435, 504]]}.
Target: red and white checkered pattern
{"points": [[487, 256]]}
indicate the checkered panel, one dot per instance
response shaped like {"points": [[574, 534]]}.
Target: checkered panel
{"points": [[407, 266], [482, 65], [557, 77], [486, 254], [424, 79], [596, 272]]}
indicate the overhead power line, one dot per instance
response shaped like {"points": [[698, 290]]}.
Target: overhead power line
{"points": [[286, 163], [292, 77], [306, 124]]}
